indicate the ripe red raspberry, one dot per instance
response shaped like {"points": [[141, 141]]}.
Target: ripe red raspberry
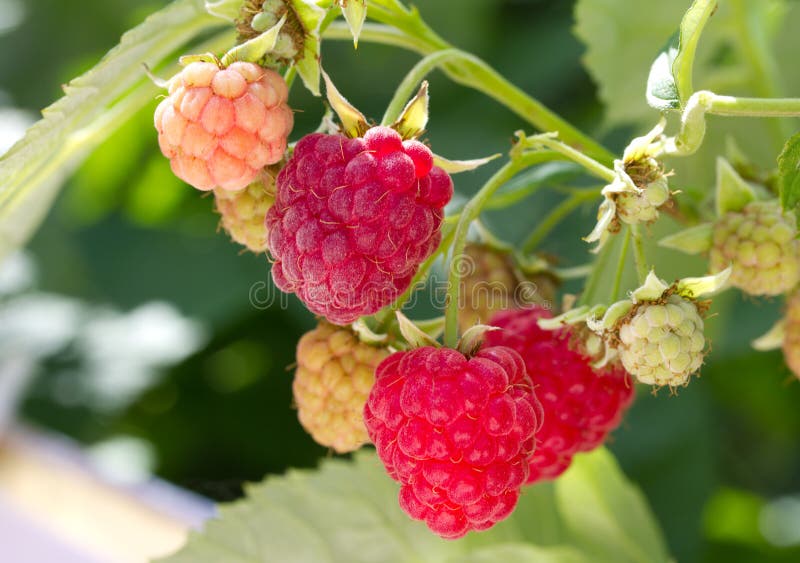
{"points": [[456, 433], [353, 219], [581, 405], [220, 126]]}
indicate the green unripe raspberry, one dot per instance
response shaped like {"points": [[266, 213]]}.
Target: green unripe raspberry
{"points": [[662, 343], [256, 17], [634, 208], [760, 242], [242, 212], [791, 335], [335, 373]]}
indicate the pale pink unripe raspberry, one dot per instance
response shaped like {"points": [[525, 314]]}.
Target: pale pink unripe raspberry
{"points": [[335, 372], [220, 126], [242, 212], [760, 242]]}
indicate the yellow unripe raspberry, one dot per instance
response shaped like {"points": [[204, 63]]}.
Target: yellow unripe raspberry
{"points": [[242, 212], [335, 373]]}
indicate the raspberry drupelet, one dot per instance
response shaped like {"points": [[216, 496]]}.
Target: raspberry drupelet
{"points": [[220, 126], [581, 405], [456, 433], [353, 220]]}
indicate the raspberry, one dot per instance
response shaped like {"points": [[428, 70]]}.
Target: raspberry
{"points": [[353, 220], [642, 207], [760, 242], [661, 343], [455, 433], [335, 372], [220, 126], [243, 212], [581, 405], [491, 283]]}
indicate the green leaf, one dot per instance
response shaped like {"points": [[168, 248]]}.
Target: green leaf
{"points": [[789, 173], [522, 553], [691, 28], [95, 105], [694, 240], [348, 511], [622, 37], [662, 91], [608, 516]]}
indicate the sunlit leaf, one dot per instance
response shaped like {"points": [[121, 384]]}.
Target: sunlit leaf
{"points": [[348, 511]]}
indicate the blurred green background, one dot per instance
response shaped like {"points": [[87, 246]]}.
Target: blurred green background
{"points": [[147, 343]]}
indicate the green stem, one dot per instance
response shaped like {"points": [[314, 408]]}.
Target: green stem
{"points": [[411, 82], [599, 268], [754, 107], [623, 258], [556, 216], [638, 253], [589, 164], [693, 121], [470, 71], [470, 212]]}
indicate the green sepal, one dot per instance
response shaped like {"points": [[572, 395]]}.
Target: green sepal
{"points": [[573, 316], [651, 290], [694, 240], [414, 335], [355, 13], [472, 339], [310, 16], [366, 334], [432, 327], [254, 50], [186, 60], [694, 288], [456, 166], [414, 117], [613, 314], [772, 339], [354, 124], [733, 192]]}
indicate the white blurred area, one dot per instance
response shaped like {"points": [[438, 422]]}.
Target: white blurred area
{"points": [[100, 503]]}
